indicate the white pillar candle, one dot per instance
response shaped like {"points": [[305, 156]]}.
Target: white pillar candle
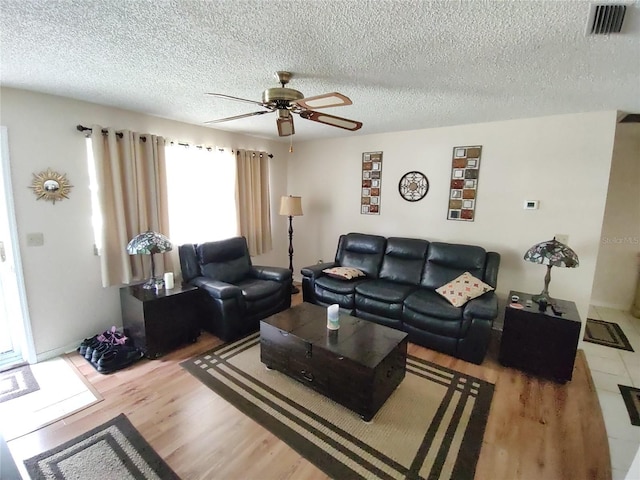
{"points": [[333, 317], [168, 280]]}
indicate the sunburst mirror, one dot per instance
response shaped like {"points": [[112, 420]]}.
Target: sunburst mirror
{"points": [[51, 185]]}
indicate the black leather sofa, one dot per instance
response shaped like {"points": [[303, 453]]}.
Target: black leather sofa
{"points": [[236, 294], [402, 275]]}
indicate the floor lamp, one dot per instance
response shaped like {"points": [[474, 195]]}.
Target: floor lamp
{"points": [[292, 207]]}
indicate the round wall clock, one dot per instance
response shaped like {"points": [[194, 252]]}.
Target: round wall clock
{"points": [[413, 186]]}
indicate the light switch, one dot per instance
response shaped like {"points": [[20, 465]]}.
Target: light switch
{"points": [[35, 239]]}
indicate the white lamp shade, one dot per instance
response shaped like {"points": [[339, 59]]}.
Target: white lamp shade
{"points": [[291, 206]]}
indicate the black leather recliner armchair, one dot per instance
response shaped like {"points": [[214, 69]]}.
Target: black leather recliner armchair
{"points": [[236, 294]]}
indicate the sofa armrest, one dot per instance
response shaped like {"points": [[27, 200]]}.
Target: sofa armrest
{"points": [[278, 274], [216, 288], [314, 271], [485, 306]]}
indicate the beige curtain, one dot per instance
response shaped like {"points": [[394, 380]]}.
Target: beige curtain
{"points": [[252, 192], [131, 177]]}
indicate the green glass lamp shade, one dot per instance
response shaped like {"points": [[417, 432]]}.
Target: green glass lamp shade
{"points": [[149, 243], [551, 253]]}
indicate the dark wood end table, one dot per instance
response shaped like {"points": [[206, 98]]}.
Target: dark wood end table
{"points": [[159, 321], [541, 343]]}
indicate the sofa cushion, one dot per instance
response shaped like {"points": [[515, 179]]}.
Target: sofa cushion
{"points": [[464, 288], [361, 251], [343, 273], [428, 302], [446, 261], [338, 286], [403, 260], [385, 291], [231, 271]]}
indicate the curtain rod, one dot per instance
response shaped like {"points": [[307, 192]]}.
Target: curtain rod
{"points": [[82, 128]]}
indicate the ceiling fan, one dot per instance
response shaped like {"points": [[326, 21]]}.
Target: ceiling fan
{"points": [[286, 101]]}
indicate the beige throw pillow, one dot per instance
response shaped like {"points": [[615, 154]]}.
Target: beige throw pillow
{"points": [[464, 288], [344, 273]]}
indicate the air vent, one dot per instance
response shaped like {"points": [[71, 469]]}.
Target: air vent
{"points": [[606, 19]]}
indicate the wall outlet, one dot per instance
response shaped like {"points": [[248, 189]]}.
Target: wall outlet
{"points": [[35, 239], [562, 238]]}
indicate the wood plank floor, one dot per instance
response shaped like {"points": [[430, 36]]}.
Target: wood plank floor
{"points": [[536, 429]]}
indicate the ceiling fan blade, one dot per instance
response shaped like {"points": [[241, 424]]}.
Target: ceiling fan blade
{"points": [[333, 99], [237, 99], [285, 126], [244, 115], [340, 122]]}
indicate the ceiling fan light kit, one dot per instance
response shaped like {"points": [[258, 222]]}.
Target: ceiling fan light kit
{"points": [[286, 100]]}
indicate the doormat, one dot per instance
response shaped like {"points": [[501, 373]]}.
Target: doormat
{"points": [[112, 450], [432, 425], [17, 382], [606, 333], [631, 397], [63, 391]]}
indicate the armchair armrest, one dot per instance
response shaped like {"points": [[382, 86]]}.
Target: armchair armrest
{"points": [[314, 271], [216, 288], [485, 306], [277, 274]]}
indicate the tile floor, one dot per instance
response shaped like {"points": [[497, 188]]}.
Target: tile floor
{"points": [[610, 367]]}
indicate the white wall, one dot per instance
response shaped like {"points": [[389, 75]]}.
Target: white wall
{"points": [[65, 298], [617, 266], [562, 161]]}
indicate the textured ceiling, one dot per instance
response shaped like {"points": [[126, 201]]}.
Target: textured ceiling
{"points": [[405, 64]]}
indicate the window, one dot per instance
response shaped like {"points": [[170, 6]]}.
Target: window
{"points": [[96, 214], [201, 191], [201, 187]]}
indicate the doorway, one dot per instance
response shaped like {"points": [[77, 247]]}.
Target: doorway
{"points": [[16, 343]]}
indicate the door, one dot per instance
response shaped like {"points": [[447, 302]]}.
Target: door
{"points": [[16, 344]]}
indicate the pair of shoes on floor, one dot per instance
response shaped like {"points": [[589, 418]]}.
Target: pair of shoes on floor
{"points": [[117, 357], [90, 346]]}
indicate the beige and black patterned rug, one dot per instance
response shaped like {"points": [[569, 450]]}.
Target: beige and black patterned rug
{"points": [[17, 382], [112, 450], [431, 426], [606, 333]]}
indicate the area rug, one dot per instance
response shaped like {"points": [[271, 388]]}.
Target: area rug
{"points": [[17, 382], [112, 450], [431, 426], [631, 397], [63, 391], [606, 333]]}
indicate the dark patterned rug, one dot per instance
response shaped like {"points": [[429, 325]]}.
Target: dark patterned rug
{"points": [[631, 397], [606, 333], [431, 427], [17, 382], [112, 450]]}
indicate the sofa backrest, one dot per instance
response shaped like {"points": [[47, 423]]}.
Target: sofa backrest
{"points": [[404, 259], [225, 260], [446, 261], [361, 251]]}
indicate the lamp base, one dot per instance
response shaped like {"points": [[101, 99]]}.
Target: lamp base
{"points": [[543, 297], [294, 289], [154, 284]]}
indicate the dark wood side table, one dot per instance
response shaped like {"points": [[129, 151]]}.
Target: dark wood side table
{"points": [[159, 321], [541, 343]]}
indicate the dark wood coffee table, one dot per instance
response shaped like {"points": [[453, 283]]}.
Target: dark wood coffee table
{"points": [[358, 366]]}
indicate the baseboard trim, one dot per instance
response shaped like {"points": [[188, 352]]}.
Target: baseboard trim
{"points": [[56, 352], [613, 306]]}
